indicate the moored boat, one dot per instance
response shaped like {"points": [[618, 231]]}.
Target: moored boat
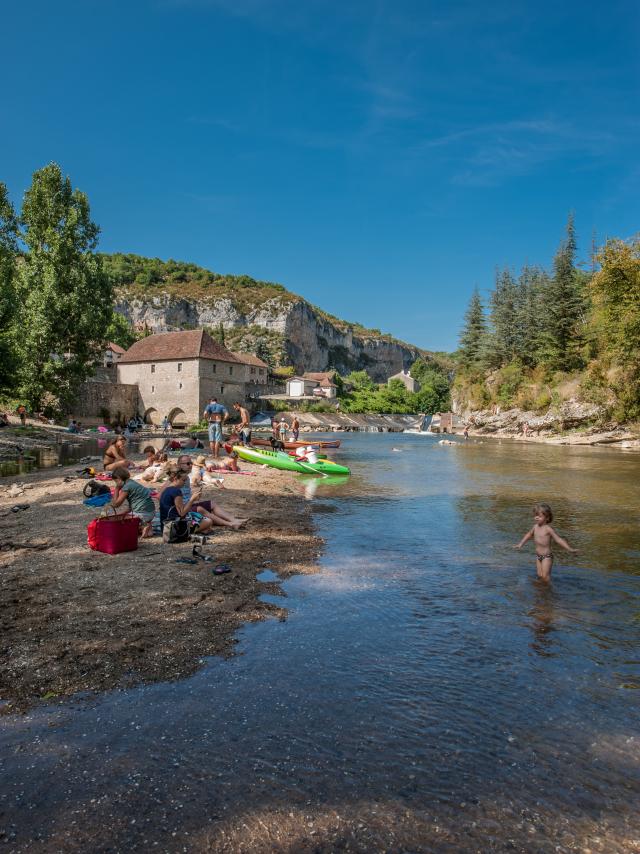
{"points": [[291, 446], [282, 460]]}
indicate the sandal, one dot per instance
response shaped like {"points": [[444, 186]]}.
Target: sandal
{"points": [[18, 507], [189, 560], [221, 569]]}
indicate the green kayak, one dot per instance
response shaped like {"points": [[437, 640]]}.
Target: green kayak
{"points": [[281, 460]]}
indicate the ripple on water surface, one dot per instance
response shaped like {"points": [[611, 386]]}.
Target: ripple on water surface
{"points": [[424, 694]]}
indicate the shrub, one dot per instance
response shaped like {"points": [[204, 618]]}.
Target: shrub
{"points": [[542, 401], [509, 380], [594, 386]]}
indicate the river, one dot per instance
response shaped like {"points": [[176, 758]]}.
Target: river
{"points": [[425, 693]]}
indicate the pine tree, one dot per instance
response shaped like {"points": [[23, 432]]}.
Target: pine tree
{"points": [[474, 333], [502, 342], [220, 334], [532, 285], [564, 307], [8, 305], [66, 299]]}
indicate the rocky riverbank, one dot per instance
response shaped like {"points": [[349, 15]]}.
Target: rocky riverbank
{"points": [[572, 423], [74, 620]]}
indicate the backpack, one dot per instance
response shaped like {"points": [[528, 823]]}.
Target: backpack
{"points": [[175, 531], [94, 488]]}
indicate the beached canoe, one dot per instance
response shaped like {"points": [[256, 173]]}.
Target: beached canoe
{"points": [[282, 460], [291, 446]]}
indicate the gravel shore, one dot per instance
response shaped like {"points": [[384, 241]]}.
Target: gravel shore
{"points": [[74, 620]]}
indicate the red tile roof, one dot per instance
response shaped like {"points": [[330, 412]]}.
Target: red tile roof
{"points": [[249, 359], [319, 377], [115, 347], [169, 346]]}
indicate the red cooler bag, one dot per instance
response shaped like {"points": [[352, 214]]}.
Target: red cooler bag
{"points": [[113, 534]]}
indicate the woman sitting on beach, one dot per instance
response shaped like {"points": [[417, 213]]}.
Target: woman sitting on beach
{"points": [[139, 498], [173, 505], [114, 455], [213, 512]]}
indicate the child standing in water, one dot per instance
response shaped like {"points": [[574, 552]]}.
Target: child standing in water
{"points": [[542, 534]]}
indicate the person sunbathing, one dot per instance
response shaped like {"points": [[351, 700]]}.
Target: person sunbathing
{"points": [[114, 455], [156, 467]]}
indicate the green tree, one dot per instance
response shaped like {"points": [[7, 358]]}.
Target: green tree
{"points": [[502, 343], [615, 290], [219, 335], [262, 352], [564, 308], [360, 381], [474, 333], [8, 303], [120, 331], [530, 314], [66, 299], [434, 395]]}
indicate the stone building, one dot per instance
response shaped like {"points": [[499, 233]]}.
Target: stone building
{"points": [[256, 372], [407, 380], [178, 372]]}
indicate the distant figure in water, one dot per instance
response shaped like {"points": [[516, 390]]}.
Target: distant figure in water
{"points": [[542, 534]]}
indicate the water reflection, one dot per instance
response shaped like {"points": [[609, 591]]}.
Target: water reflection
{"points": [[542, 618]]}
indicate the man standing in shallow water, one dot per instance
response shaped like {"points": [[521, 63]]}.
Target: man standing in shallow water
{"points": [[216, 414]]}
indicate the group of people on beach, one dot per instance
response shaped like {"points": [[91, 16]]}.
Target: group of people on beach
{"points": [[182, 480], [180, 488]]}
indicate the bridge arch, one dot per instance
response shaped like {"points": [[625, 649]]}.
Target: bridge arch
{"points": [[177, 417]]}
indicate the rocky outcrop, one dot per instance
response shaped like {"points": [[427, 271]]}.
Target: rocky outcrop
{"points": [[311, 340], [569, 415]]}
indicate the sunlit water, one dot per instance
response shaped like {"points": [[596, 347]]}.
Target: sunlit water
{"points": [[423, 676]]}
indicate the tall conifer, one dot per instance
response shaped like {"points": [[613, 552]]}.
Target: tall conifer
{"points": [[473, 335], [563, 307]]}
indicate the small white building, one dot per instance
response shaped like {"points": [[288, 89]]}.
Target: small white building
{"points": [[325, 386], [300, 387]]}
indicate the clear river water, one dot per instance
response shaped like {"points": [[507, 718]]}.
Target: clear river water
{"points": [[425, 693]]}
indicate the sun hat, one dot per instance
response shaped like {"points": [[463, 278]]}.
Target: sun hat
{"points": [[200, 461]]}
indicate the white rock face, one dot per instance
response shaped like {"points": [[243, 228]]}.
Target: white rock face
{"points": [[311, 342]]}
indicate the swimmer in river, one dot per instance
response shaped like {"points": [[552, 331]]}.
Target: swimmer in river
{"points": [[542, 534]]}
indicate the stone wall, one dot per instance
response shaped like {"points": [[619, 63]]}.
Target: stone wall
{"points": [[181, 389], [105, 401], [168, 388]]}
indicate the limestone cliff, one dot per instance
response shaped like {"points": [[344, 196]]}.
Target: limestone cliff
{"points": [[261, 317]]}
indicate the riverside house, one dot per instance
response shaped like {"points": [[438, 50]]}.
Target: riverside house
{"points": [[178, 372]]}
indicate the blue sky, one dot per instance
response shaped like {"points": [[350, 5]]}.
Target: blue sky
{"points": [[378, 158]]}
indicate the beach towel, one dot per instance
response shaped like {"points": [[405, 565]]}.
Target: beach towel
{"points": [[98, 500]]}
